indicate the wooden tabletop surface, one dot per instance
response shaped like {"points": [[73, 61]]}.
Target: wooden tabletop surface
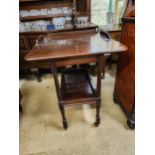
{"points": [[72, 44]]}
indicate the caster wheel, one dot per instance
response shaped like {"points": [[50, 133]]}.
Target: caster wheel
{"points": [[39, 79], [65, 125], [96, 124]]}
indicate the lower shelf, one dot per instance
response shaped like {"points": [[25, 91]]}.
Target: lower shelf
{"points": [[76, 87]]}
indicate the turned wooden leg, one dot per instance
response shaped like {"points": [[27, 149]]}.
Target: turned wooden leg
{"points": [[39, 75], [64, 121], [103, 68], [58, 91], [98, 105], [100, 70], [103, 75]]}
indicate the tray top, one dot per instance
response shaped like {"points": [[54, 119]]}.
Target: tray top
{"points": [[72, 44]]}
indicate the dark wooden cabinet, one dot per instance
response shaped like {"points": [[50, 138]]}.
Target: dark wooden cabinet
{"points": [[124, 91]]}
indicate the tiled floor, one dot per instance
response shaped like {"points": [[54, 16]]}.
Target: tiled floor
{"points": [[41, 131]]}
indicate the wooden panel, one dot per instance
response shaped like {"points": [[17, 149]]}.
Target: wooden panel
{"points": [[125, 79], [124, 91], [83, 7]]}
